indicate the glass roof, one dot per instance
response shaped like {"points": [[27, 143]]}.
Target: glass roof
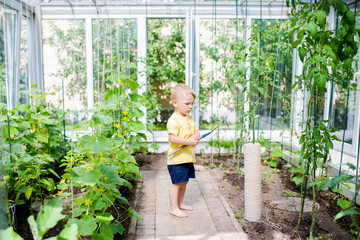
{"points": [[141, 2]]}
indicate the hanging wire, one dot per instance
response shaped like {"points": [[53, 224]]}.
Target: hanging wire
{"points": [[98, 57], [72, 117], [216, 83], [118, 65], [259, 82], [243, 86], [212, 79], [236, 157], [12, 209], [284, 98], [275, 82]]}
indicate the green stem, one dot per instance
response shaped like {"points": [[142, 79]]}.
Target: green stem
{"points": [[303, 191], [312, 229]]}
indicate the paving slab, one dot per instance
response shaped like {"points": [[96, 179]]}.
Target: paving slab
{"points": [[293, 204], [211, 219]]}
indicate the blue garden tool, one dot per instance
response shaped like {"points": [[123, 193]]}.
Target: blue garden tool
{"points": [[201, 137]]}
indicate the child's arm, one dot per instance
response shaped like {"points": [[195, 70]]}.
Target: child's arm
{"points": [[192, 141]]}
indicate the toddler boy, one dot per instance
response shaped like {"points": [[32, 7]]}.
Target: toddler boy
{"points": [[182, 131]]}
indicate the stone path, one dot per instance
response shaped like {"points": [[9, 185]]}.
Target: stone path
{"points": [[212, 218]]}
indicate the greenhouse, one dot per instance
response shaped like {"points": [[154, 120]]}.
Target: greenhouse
{"points": [[104, 101]]}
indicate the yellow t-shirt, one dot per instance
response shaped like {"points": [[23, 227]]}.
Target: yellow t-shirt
{"points": [[183, 127]]}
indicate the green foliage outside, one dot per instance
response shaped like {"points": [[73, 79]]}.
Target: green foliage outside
{"points": [[71, 56], [114, 52], [265, 84], [165, 66]]}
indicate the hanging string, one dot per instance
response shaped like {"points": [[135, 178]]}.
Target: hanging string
{"points": [[212, 80], [194, 47], [98, 57], [118, 66], [103, 81], [284, 98], [72, 119], [236, 155], [275, 82], [12, 209], [258, 108], [216, 84], [243, 86]]}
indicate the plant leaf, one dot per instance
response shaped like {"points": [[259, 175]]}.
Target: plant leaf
{"points": [[344, 213], [297, 180], [9, 234], [49, 215], [277, 153], [80, 175], [34, 227], [41, 137], [69, 233], [105, 234], [116, 227], [87, 225], [102, 119], [28, 192], [302, 53], [135, 214], [95, 144], [105, 217]]}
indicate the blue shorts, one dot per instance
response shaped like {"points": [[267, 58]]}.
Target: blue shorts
{"points": [[181, 172]]}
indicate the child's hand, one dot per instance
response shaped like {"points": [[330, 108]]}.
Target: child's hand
{"points": [[197, 134], [192, 141]]}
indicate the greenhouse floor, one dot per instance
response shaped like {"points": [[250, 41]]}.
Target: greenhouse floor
{"points": [[211, 219]]}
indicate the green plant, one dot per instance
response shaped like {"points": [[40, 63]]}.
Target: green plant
{"points": [[101, 164], [213, 165], [268, 175], [288, 194], [238, 214], [33, 144], [320, 47], [47, 218]]}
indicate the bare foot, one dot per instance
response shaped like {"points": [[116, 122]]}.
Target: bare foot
{"points": [[186, 207], [178, 213]]}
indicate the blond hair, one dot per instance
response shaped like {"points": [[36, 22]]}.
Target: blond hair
{"points": [[181, 88]]}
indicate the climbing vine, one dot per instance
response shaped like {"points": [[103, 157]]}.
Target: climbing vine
{"points": [[327, 56]]}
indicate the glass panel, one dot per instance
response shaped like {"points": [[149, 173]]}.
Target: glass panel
{"points": [[2, 61], [343, 113], [274, 59], [114, 53], [64, 65], [9, 19], [218, 94], [24, 60], [166, 64], [343, 105]]}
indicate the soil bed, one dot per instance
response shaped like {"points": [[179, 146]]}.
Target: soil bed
{"points": [[276, 223]]}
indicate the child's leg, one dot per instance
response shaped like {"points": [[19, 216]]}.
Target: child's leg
{"points": [[182, 191], [174, 199]]}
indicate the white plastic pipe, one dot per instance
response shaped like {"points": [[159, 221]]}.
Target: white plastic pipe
{"points": [[252, 169]]}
